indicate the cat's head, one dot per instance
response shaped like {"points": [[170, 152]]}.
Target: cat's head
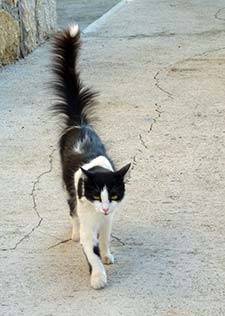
{"points": [[103, 188]]}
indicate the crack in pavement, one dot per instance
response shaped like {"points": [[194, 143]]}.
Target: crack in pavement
{"points": [[154, 119], [216, 15], [163, 34], [194, 56], [67, 240], [134, 161], [49, 235], [156, 76], [135, 36], [36, 182], [59, 243], [119, 240], [159, 86], [142, 141], [168, 93]]}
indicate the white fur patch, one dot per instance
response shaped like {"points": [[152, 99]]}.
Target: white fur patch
{"points": [[74, 29], [78, 147], [105, 198], [99, 161]]}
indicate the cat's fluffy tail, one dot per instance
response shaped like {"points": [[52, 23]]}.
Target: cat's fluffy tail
{"points": [[74, 102]]}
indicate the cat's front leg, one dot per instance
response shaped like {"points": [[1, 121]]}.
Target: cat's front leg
{"points": [[76, 228], [104, 242], [97, 270]]}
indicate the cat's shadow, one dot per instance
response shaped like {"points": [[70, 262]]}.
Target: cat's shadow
{"points": [[153, 257]]}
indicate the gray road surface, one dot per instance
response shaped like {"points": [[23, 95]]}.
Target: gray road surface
{"points": [[83, 12], [160, 67]]}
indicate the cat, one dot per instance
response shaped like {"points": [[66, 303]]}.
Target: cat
{"points": [[94, 187]]}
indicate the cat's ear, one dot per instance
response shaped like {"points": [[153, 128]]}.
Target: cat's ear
{"points": [[86, 172], [121, 173]]}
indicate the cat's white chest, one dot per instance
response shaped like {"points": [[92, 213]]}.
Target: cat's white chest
{"points": [[88, 215]]}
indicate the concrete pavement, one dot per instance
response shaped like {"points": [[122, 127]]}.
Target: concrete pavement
{"points": [[160, 68], [84, 12]]}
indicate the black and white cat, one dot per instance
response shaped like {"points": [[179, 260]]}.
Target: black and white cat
{"points": [[93, 185]]}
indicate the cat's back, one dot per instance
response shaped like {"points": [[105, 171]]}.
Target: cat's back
{"points": [[90, 143], [81, 146]]}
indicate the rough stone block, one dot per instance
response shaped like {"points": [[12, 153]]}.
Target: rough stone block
{"points": [[12, 3], [46, 18], [9, 38], [24, 25], [28, 26]]}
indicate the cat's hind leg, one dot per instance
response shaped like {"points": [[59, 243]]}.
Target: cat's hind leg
{"points": [[74, 218], [68, 178]]}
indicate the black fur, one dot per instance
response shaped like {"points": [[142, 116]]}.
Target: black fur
{"points": [[96, 250], [80, 188], [97, 178], [79, 143], [75, 104], [73, 99]]}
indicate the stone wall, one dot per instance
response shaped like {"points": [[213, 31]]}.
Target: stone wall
{"points": [[24, 24]]}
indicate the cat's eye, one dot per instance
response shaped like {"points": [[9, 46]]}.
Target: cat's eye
{"points": [[96, 197], [114, 197]]}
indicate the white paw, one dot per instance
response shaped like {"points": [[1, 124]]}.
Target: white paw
{"points": [[108, 259], [75, 236], [98, 280]]}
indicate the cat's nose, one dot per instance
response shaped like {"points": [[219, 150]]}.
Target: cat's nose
{"points": [[105, 210]]}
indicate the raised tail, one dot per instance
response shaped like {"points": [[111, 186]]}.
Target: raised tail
{"points": [[74, 102]]}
